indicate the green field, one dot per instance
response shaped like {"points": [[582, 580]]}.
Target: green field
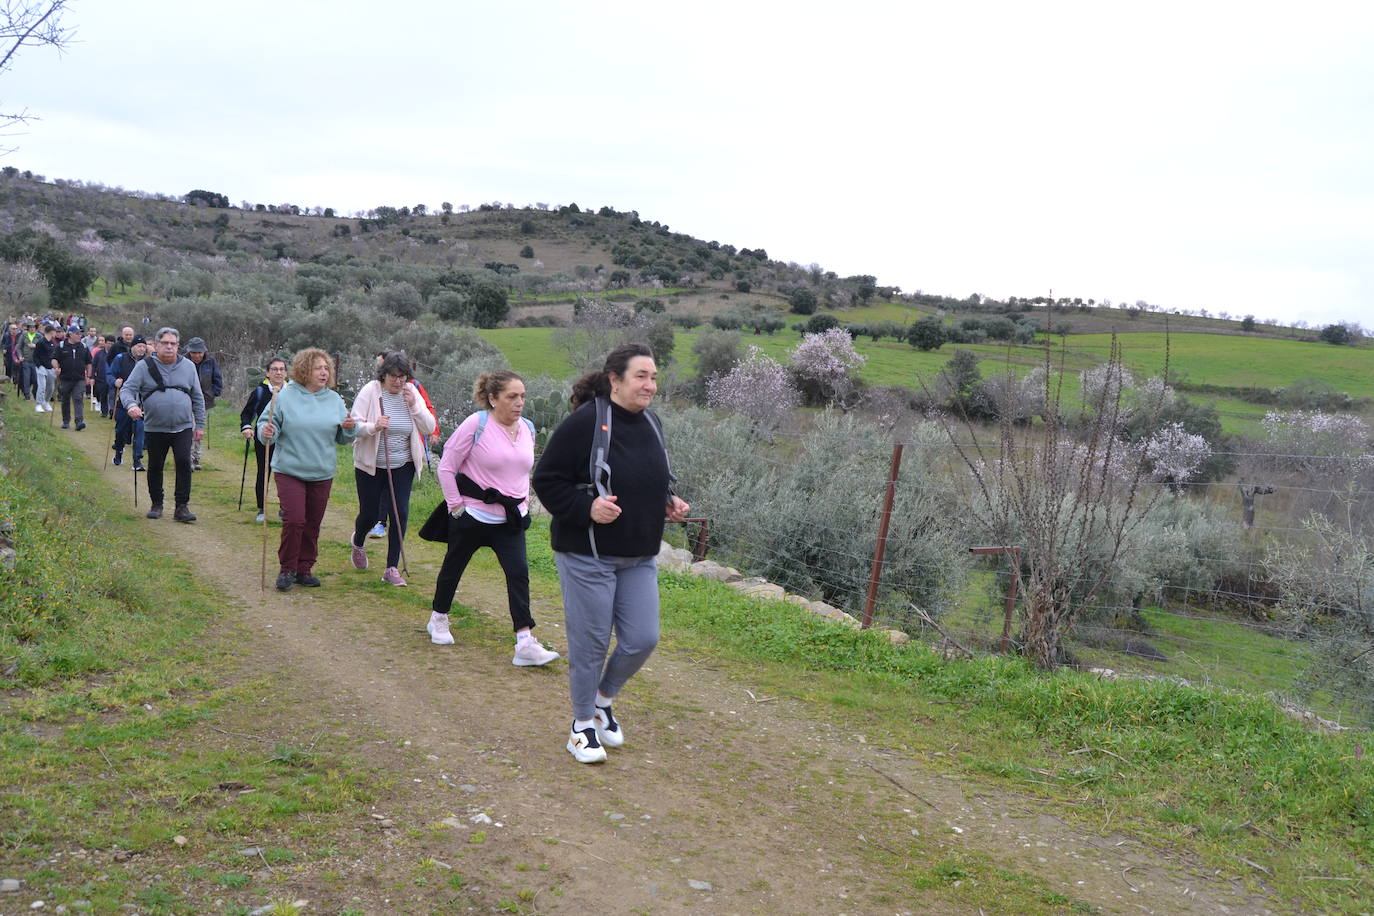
{"points": [[1238, 362], [1211, 359]]}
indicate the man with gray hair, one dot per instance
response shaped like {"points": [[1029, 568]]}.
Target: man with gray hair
{"points": [[164, 392]]}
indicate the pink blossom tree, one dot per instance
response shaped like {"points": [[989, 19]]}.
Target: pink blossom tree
{"points": [[823, 367], [758, 388]]}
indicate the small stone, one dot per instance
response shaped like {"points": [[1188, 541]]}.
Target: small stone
{"points": [[452, 822], [480, 818], [9, 886], [897, 637], [180, 840], [468, 788], [251, 851], [386, 823], [698, 885], [37, 905], [617, 817]]}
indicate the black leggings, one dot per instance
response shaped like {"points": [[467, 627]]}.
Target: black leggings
{"points": [[374, 502], [466, 536]]}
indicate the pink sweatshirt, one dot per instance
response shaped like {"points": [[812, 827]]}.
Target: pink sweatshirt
{"points": [[495, 461]]}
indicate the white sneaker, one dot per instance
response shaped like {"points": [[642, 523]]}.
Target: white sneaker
{"points": [[607, 728], [528, 652], [438, 629], [584, 746], [38, 408]]}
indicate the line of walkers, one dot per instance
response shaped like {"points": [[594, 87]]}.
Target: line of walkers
{"points": [[604, 477]]}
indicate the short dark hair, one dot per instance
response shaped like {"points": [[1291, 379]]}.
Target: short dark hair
{"points": [[394, 363]]}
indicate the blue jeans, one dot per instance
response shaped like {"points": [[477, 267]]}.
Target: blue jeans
{"points": [[123, 432]]}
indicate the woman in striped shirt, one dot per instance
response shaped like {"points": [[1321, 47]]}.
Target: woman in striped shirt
{"points": [[388, 454]]}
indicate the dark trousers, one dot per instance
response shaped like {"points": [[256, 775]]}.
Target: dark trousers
{"points": [[69, 390], [28, 378], [466, 536], [180, 446], [374, 503], [127, 429], [259, 482], [302, 506]]}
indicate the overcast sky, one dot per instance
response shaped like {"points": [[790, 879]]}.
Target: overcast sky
{"points": [[1213, 155]]}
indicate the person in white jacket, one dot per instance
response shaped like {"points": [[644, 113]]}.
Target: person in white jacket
{"points": [[388, 454]]}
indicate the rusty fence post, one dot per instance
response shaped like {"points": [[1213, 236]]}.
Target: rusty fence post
{"points": [[702, 541], [1015, 554], [880, 548]]}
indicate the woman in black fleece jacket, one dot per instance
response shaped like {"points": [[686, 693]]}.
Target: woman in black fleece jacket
{"points": [[606, 536]]}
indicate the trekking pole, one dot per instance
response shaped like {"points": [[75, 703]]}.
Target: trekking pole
{"points": [[50, 410], [266, 487], [395, 512], [244, 478]]}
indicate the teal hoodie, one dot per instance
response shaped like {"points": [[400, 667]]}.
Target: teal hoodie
{"points": [[308, 432]]}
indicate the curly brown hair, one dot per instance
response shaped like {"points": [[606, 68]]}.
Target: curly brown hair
{"points": [[304, 361]]}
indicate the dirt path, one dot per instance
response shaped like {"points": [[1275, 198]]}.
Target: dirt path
{"points": [[718, 803]]}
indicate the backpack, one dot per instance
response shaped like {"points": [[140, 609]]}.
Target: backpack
{"points": [[155, 372], [599, 471], [482, 416]]}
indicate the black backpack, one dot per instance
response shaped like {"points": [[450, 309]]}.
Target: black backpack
{"points": [[155, 371], [599, 470]]}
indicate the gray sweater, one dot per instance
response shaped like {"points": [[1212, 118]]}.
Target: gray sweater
{"points": [[168, 411]]}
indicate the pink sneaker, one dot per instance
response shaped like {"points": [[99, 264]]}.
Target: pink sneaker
{"points": [[392, 576], [359, 555]]}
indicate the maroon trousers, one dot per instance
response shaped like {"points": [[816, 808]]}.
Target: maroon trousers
{"points": [[302, 509]]}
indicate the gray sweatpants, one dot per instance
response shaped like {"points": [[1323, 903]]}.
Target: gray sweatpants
{"points": [[612, 593]]}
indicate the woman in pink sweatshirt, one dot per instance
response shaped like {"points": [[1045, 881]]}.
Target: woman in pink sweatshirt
{"points": [[485, 476]]}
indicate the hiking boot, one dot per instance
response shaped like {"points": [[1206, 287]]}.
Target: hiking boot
{"points": [[359, 555], [80, 426], [66, 425], [378, 531], [529, 652], [438, 629], [607, 728], [285, 581], [118, 459], [195, 465], [138, 465], [584, 746], [392, 576], [155, 511], [259, 519], [308, 580], [183, 513]]}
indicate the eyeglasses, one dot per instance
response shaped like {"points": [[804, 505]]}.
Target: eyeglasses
{"points": [[167, 343]]}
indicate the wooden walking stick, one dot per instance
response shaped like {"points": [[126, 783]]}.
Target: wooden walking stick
{"points": [[267, 486]]}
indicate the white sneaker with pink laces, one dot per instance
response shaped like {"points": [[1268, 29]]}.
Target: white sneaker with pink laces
{"points": [[438, 629]]}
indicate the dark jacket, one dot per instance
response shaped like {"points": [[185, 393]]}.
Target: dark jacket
{"points": [[42, 353], [211, 384], [258, 399], [639, 479], [72, 358]]}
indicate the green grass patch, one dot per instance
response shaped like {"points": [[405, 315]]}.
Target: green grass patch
{"points": [[116, 667], [1224, 775]]}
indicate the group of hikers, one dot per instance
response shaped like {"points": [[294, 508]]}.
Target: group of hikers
{"points": [[605, 532]]}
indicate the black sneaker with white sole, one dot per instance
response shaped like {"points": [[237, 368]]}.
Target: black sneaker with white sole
{"points": [[584, 746], [607, 728]]}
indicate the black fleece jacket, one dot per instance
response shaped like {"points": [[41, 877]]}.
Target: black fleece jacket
{"points": [[639, 479]]}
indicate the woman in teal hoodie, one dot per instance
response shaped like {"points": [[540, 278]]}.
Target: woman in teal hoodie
{"points": [[304, 426]]}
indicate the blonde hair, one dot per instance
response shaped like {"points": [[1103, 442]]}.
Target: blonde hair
{"points": [[489, 386], [304, 361]]}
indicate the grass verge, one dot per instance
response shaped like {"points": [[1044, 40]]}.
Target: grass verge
{"points": [[125, 776]]}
